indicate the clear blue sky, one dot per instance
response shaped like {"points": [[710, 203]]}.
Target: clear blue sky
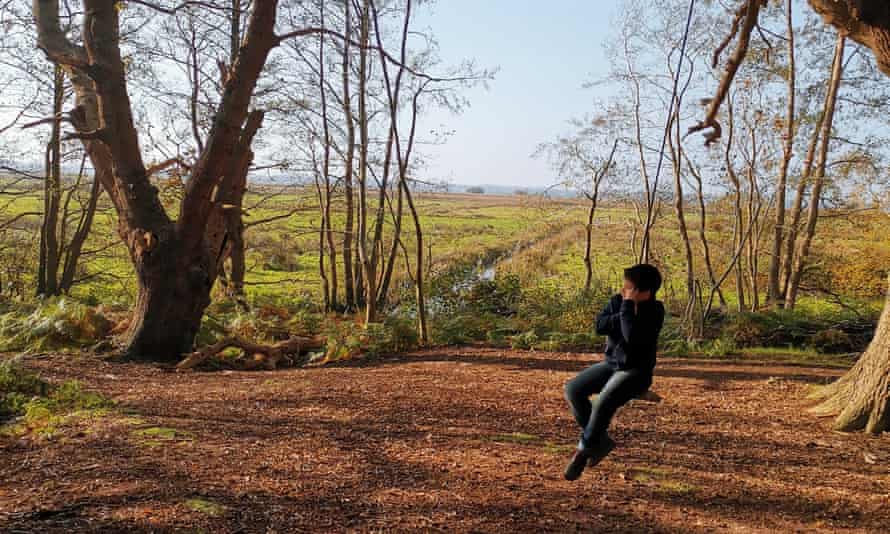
{"points": [[545, 51]]}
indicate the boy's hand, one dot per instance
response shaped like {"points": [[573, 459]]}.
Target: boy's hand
{"points": [[635, 295]]}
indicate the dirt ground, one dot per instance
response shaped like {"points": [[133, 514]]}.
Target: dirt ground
{"points": [[457, 440]]}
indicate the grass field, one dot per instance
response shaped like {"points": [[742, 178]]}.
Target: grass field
{"points": [[534, 244]]}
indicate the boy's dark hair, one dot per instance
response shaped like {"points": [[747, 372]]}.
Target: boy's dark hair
{"points": [[644, 277]]}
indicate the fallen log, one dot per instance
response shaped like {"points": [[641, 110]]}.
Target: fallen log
{"points": [[257, 355]]}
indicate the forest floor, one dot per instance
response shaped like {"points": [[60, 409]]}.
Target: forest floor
{"points": [[457, 440]]}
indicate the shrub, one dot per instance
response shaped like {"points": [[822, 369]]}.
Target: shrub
{"points": [[832, 341], [463, 328], [55, 324], [718, 348], [346, 339], [524, 341], [500, 296], [768, 329]]}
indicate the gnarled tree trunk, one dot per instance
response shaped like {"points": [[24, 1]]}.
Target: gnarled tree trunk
{"points": [[861, 398]]}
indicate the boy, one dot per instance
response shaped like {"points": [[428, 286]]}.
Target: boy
{"points": [[632, 321]]}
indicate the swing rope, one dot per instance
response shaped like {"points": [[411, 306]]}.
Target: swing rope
{"points": [[650, 202]]}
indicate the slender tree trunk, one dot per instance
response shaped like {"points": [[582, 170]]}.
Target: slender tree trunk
{"points": [[369, 278], [72, 253], [326, 173], [753, 249], [738, 238], [702, 231], [322, 232], [348, 276], [676, 149], [50, 253], [753, 209], [419, 291], [800, 258], [774, 290], [797, 207], [650, 195], [390, 261], [588, 245]]}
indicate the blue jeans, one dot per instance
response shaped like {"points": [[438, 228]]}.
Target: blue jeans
{"points": [[616, 387]]}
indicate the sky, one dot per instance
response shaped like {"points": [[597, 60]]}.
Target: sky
{"points": [[545, 51]]}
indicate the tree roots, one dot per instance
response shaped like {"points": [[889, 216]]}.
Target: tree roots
{"points": [[256, 355]]}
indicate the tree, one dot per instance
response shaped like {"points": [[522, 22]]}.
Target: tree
{"points": [[585, 158], [176, 260], [773, 290], [860, 400]]}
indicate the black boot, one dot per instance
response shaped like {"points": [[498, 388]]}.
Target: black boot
{"points": [[577, 464], [600, 451]]}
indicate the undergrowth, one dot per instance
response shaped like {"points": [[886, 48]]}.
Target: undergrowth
{"points": [[52, 324], [35, 406]]}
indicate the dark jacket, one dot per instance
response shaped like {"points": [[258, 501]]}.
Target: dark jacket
{"points": [[632, 334]]}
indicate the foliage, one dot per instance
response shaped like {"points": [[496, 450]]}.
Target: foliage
{"points": [[347, 339], [53, 324], [831, 341], [501, 273], [836, 332]]}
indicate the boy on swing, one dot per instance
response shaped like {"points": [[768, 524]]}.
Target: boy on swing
{"points": [[631, 321]]}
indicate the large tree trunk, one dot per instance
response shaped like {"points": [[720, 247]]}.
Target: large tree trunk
{"points": [[861, 398], [174, 291]]}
